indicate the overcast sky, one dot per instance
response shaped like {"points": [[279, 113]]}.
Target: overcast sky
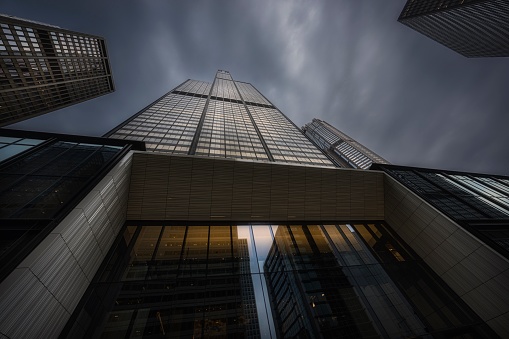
{"points": [[348, 62]]}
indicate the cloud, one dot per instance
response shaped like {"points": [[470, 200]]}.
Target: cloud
{"points": [[350, 63]]}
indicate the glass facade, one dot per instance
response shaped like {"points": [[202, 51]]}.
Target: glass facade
{"points": [[478, 202], [345, 151], [228, 132], [269, 281], [41, 177], [168, 125], [250, 94], [285, 142], [45, 68], [194, 87], [227, 119], [37, 185], [12, 146], [473, 28]]}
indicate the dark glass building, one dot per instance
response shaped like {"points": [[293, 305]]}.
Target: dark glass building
{"points": [[235, 225], [342, 149], [473, 28], [478, 202], [44, 68]]}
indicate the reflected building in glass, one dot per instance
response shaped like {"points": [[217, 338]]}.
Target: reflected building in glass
{"points": [[342, 149], [473, 28], [358, 281], [247, 291], [235, 225], [44, 68]]}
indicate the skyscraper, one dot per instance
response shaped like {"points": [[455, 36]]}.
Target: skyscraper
{"points": [[233, 217], [473, 28], [345, 151], [226, 119], [45, 67]]}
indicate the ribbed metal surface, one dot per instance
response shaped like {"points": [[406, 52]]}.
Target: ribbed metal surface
{"points": [[24, 300], [186, 188], [82, 243], [37, 299]]}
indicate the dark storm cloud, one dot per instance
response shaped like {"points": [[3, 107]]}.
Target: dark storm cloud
{"points": [[350, 63]]}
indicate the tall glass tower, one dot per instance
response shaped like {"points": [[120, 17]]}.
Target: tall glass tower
{"points": [[44, 68], [225, 119]]}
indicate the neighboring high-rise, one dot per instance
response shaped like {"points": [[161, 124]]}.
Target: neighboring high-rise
{"points": [[236, 225], [473, 28], [225, 119], [44, 68], [358, 281], [345, 151]]}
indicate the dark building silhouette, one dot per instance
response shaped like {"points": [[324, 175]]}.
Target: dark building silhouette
{"points": [[44, 68], [473, 28]]}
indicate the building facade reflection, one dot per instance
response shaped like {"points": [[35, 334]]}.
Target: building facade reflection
{"points": [[174, 282], [358, 281]]}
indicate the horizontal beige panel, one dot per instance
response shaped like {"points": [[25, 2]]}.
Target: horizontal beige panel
{"points": [[191, 188]]}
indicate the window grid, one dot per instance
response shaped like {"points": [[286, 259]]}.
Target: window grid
{"points": [[43, 69], [225, 89], [228, 132], [167, 126], [250, 94], [356, 273], [286, 143], [195, 87]]}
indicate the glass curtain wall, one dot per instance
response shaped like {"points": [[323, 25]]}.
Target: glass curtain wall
{"points": [[478, 202], [268, 281]]}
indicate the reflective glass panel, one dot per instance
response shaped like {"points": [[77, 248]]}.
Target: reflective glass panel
{"points": [[270, 281]]}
